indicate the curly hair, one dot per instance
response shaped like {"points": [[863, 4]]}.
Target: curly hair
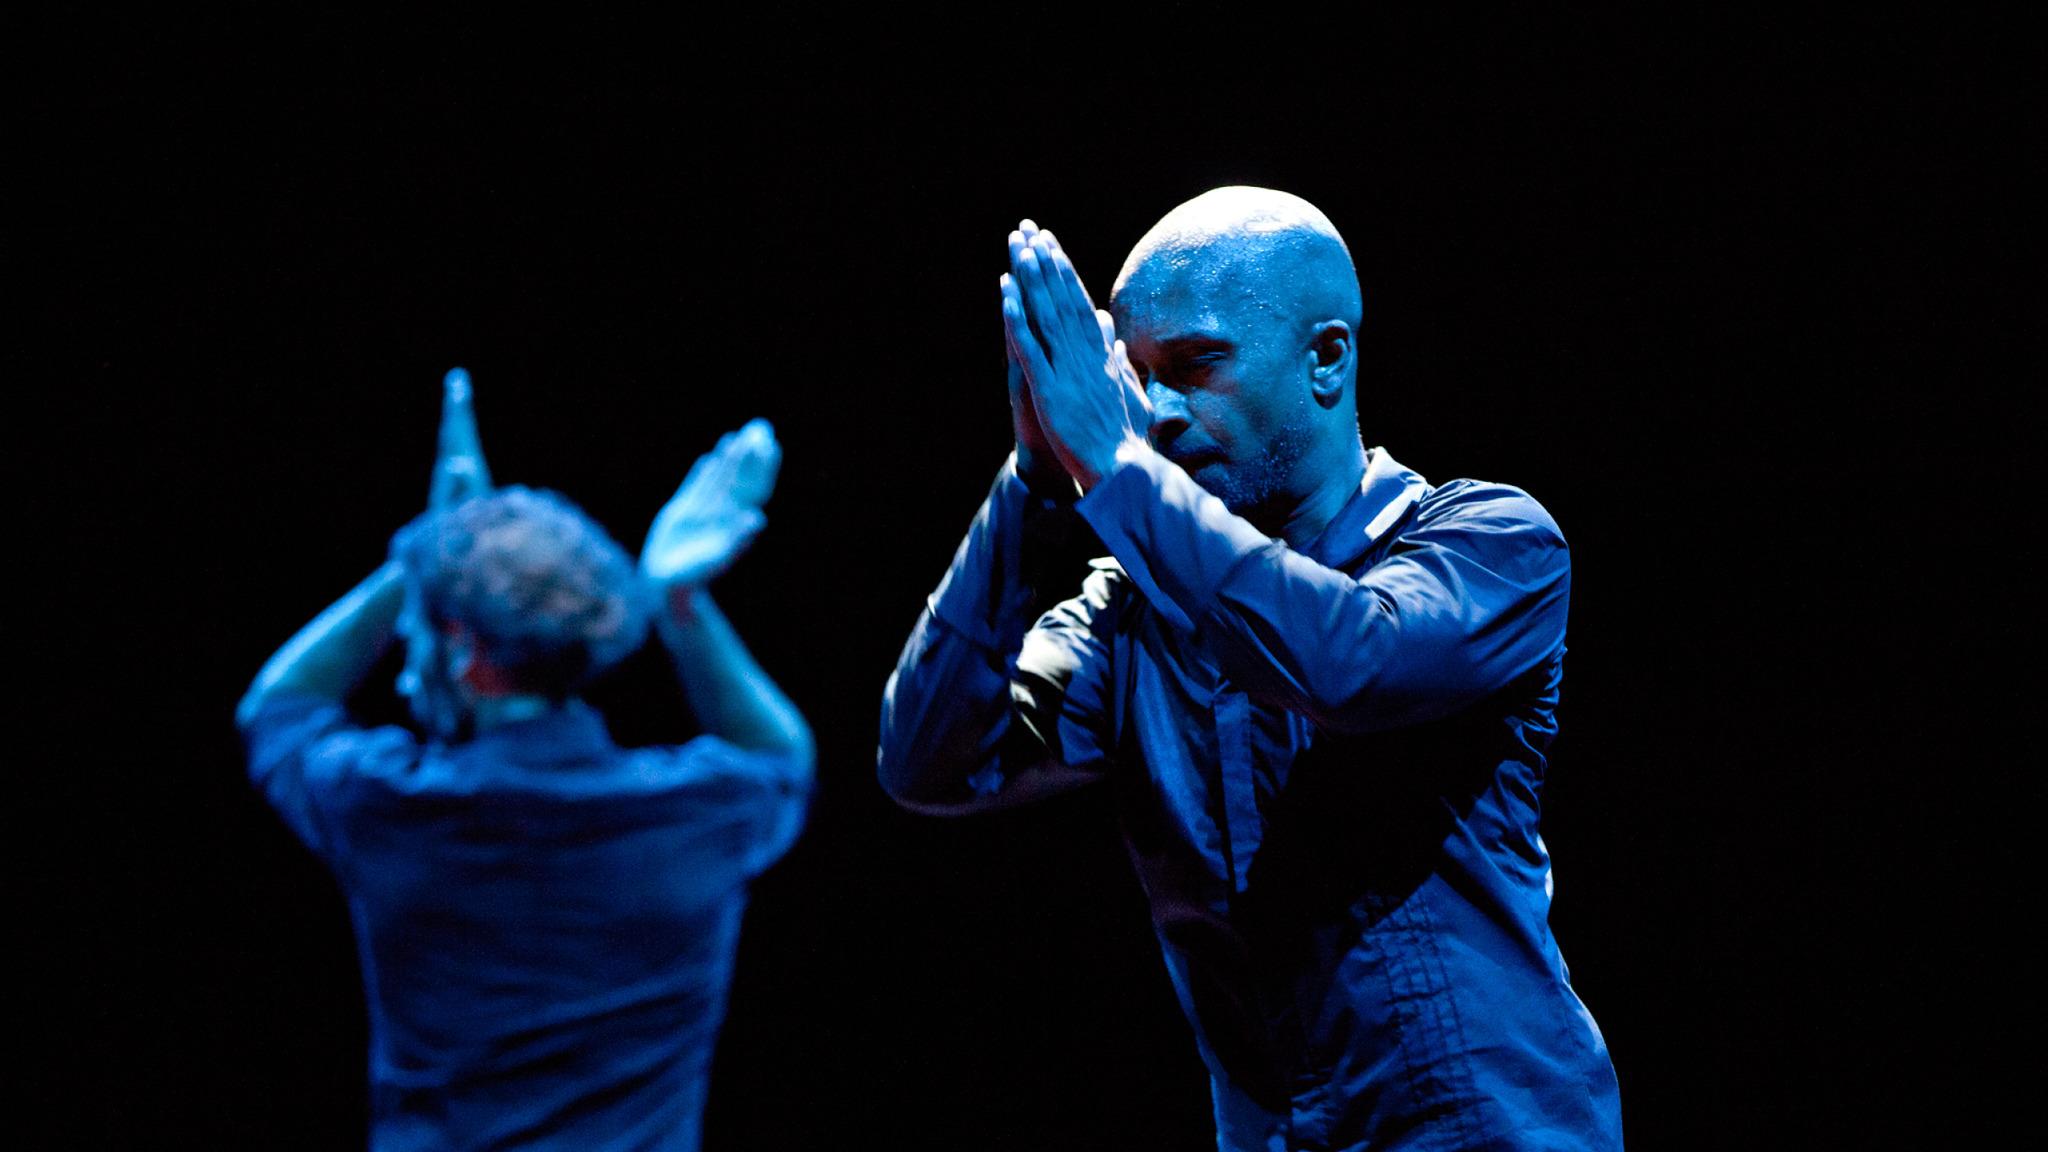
{"points": [[551, 598]]}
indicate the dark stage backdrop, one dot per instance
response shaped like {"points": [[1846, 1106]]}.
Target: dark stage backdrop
{"points": [[1735, 304]]}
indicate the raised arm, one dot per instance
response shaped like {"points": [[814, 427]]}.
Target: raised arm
{"points": [[1472, 594], [995, 701], [985, 709], [711, 519], [330, 656]]}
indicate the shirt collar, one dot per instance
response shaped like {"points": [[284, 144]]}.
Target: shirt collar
{"points": [[1385, 495], [572, 732]]}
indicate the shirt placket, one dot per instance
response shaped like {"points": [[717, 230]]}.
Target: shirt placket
{"points": [[1240, 815]]}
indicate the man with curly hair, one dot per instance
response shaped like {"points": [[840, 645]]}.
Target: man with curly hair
{"points": [[546, 922]]}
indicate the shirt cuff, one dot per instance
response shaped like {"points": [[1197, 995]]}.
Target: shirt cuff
{"points": [[1175, 541], [984, 599]]}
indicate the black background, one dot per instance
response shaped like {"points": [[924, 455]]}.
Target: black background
{"points": [[1739, 304]]}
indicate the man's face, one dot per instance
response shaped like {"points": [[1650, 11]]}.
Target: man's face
{"points": [[1226, 380]]}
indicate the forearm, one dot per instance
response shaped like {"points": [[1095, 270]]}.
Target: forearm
{"points": [[726, 689], [329, 657], [1457, 608], [949, 739], [945, 714]]}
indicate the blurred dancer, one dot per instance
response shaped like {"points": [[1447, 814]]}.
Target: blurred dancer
{"points": [[546, 921]]}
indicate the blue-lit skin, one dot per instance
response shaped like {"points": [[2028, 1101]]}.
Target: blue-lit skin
{"points": [[716, 513], [435, 662], [459, 468], [1086, 404], [1037, 463], [710, 521], [1237, 312], [1322, 688], [331, 655], [522, 994], [450, 683]]}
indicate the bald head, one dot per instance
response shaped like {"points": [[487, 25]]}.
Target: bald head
{"points": [[1273, 248], [1239, 310]]}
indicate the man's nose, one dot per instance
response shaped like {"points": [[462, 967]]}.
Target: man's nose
{"points": [[1169, 411]]}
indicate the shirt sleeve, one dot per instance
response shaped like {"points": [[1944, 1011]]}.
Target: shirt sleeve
{"points": [[1472, 593], [304, 753], [762, 797], [976, 663]]}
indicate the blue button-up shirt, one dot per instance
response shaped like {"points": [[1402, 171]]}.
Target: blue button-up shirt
{"points": [[1329, 764], [546, 922]]}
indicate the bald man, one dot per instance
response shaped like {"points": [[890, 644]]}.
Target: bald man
{"points": [[1320, 685]]}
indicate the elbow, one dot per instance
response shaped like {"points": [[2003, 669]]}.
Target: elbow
{"points": [[923, 762], [895, 771], [897, 756], [917, 784], [787, 736]]}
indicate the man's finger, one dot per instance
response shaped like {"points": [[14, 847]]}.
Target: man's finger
{"points": [[1074, 299], [723, 466], [1035, 294], [1062, 304], [738, 461], [756, 434], [459, 469], [697, 467], [1013, 368], [758, 456], [1022, 343], [458, 415], [1021, 242], [706, 484]]}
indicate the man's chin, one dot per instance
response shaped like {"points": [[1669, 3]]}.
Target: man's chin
{"points": [[1215, 477], [1204, 469]]}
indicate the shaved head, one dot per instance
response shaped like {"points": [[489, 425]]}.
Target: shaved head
{"points": [[1273, 247], [1239, 310]]}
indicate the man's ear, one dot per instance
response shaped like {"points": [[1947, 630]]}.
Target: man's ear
{"points": [[1331, 354]]}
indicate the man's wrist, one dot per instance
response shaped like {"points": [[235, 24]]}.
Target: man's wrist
{"points": [[1100, 465], [678, 607], [1042, 475]]}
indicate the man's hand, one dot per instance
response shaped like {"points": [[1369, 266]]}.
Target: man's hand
{"points": [[1089, 402], [459, 468], [716, 513], [1037, 464]]}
